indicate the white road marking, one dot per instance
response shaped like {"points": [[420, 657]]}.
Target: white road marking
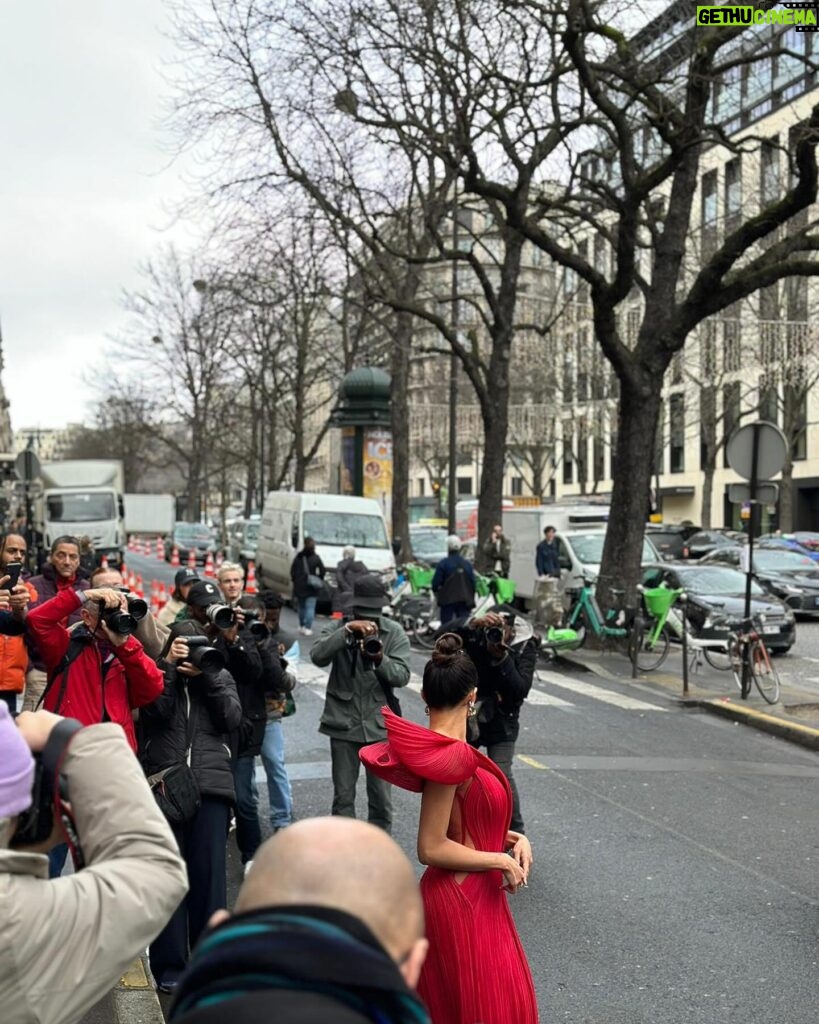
{"points": [[598, 693]]}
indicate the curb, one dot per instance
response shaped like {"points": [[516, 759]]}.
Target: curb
{"points": [[135, 998], [795, 732]]}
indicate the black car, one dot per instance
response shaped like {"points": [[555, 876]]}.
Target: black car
{"points": [[705, 541], [187, 537], [718, 591], [788, 575], [671, 541]]}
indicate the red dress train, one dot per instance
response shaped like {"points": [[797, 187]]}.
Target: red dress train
{"points": [[476, 970]]}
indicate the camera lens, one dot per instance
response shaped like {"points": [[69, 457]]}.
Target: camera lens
{"points": [[137, 607], [120, 622], [258, 629], [494, 635], [221, 615], [372, 646]]}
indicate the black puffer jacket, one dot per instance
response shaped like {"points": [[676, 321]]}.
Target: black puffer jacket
{"points": [[244, 664], [215, 713]]}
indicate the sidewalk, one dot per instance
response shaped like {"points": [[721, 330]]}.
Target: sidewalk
{"points": [[795, 717], [133, 1001]]}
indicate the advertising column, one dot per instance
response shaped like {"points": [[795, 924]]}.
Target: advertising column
{"points": [[378, 467]]}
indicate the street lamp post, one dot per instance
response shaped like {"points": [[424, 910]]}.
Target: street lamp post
{"points": [[452, 495]]}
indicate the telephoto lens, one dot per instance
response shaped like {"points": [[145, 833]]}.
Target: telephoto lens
{"points": [[259, 630], [371, 646], [202, 656], [137, 607], [118, 621], [221, 615]]}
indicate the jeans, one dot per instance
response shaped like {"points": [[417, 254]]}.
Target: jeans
{"points": [[248, 830], [346, 766], [307, 611], [278, 783]]}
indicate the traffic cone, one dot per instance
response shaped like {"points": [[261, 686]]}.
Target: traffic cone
{"points": [[209, 573], [250, 582], [146, 548], [337, 615], [139, 588], [192, 559], [123, 568], [104, 562], [160, 549], [175, 557], [132, 582], [154, 599], [219, 559], [162, 596], [131, 542]]}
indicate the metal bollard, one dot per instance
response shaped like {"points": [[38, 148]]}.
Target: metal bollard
{"points": [[685, 657]]}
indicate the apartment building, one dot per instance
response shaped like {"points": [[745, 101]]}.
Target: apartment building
{"points": [[759, 359]]}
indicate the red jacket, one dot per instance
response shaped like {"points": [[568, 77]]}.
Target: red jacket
{"points": [[131, 681]]}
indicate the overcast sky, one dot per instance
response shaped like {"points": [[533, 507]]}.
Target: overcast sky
{"points": [[85, 187]]}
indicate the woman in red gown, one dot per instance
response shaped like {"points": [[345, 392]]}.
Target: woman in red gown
{"points": [[476, 969]]}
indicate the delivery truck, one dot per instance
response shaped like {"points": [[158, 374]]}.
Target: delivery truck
{"points": [[83, 497], [151, 515]]}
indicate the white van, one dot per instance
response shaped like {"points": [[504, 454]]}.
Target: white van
{"points": [[333, 521], [580, 552]]}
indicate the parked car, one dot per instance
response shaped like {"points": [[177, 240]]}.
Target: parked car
{"points": [[716, 591], [428, 543], [580, 552], [243, 536], [706, 541], [792, 577], [807, 538], [788, 544], [187, 537], [671, 540]]}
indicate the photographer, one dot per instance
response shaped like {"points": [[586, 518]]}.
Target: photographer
{"points": [[226, 629], [193, 722], [505, 673], [65, 944], [370, 655]]}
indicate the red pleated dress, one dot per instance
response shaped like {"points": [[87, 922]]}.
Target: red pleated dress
{"points": [[476, 970]]}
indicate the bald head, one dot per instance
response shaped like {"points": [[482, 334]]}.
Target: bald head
{"points": [[344, 864]]}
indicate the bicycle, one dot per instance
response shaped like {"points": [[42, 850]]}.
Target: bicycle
{"points": [[652, 636], [751, 662], [585, 614]]}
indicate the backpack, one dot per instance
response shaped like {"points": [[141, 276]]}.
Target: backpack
{"points": [[456, 589]]}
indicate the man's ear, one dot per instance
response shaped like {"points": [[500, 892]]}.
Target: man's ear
{"points": [[411, 967]]}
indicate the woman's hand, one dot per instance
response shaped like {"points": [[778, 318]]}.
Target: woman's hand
{"points": [[179, 651], [522, 853], [513, 874]]}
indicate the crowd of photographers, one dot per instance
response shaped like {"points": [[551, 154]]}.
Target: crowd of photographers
{"points": [[197, 693]]}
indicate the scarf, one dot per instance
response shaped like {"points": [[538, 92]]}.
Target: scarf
{"points": [[300, 948]]}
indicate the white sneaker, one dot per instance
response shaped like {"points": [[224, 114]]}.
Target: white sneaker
{"points": [[307, 632], [248, 866]]}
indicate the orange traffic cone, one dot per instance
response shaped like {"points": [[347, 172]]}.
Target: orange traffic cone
{"points": [[131, 542], [139, 591], [154, 599], [132, 582], [209, 565], [104, 562], [192, 559], [250, 582], [337, 615], [175, 557], [160, 549], [162, 596]]}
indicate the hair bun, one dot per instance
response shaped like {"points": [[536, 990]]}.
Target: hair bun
{"points": [[447, 647]]}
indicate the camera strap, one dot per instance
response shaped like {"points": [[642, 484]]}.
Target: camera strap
{"points": [[76, 645]]}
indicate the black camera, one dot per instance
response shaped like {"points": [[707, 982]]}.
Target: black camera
{"points": [[36, 823], [493, 635], [220, 615], [201, 655], [118, 621], [370, 646], [254, 619]]}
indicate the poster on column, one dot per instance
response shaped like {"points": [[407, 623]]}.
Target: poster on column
{"points": [[347, 481], [378, 468]]}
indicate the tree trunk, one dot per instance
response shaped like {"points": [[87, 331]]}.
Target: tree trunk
{"points": [[490, 497], [399, 421], [637, 417], [707, 492], [252, 455], [785, 520]]}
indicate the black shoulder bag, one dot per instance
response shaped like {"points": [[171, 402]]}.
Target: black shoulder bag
{"points": [[175, 789]]}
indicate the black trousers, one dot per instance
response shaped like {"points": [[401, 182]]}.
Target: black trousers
{"points": [[203, 845]]}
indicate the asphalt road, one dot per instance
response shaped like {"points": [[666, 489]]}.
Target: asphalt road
{"points": [[675, 873]]}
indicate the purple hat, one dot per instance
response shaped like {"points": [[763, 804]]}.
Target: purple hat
{"points": [[16, 767]]}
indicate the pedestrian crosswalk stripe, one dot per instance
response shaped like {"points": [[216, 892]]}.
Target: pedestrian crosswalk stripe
{"points": [[539, 697], [619, 700]]}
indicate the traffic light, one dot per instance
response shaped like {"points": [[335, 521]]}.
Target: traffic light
{"points": [[436, 487]]}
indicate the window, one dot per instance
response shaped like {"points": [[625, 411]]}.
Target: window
{"points": [[517, 486], [676, 417], [769, 171], [732, 345], [768, 399], [796, 417], [568, 376], [340, 528], [709, 199], [582, 452], [708, 350], [796, 299], [568, 454], [421, 486], [583, 357], [708, 425], [731, 412], [733, 193], [465, 485], [83, 507]]}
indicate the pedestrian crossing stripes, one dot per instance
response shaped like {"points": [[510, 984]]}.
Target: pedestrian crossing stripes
{"points": [[315, 678]]}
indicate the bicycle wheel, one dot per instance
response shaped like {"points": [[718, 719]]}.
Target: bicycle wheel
{"points": [[718, 658], [764, 672], [650, 653], [425, 635]]}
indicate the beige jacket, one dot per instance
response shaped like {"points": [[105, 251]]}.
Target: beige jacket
{"points": [[65, 942]]}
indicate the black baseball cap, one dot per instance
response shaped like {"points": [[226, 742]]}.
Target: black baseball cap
{"points": [[184, 576], [204, 593], [369, 592]]}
